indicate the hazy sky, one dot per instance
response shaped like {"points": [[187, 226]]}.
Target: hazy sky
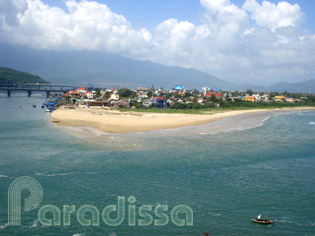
{"points": [[251, 41]]}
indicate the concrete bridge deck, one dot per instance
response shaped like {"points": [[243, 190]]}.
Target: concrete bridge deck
{"points": [[29, 88]]}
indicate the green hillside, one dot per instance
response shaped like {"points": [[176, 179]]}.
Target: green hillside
{"points": [[9, 76]]}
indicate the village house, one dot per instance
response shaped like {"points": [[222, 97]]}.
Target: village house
{"points": [[249, 98], [82, 90], [73, 94], [93, 103], [201, 101], [265, 98], [279, 98], [120, 104], [142, 89], [89, 94], [159, 102], [217, 95], [114, 96], [290, 100]]}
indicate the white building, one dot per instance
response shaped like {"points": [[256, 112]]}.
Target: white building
{"points": [[114, 96]]}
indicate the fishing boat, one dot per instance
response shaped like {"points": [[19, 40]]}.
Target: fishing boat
{"points": [[266, 222]]}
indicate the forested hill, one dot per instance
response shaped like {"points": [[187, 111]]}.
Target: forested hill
{"points": [[10, 76]]}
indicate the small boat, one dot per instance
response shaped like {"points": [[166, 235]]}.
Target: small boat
{"points": [[266, 222], [48, 110]]}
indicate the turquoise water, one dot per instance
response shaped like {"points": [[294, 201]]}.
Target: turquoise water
{"points": [[227, 172]]}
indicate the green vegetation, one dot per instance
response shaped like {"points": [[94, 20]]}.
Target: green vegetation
{"points": [[126, 93], [97, 93], [9, 76], [107, 95], [195, 108]]}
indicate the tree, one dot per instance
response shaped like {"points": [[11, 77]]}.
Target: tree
{"points": [[149, 94], [126, 93], [107, 95], [178, 106], [67, 98], [196, 105], [213, 98], [97, 93], [249, 92], [189, 106]]}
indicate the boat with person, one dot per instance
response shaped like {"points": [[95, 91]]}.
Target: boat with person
{"points": [[266, 222]]}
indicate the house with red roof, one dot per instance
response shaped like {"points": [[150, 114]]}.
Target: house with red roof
{"points": [[82, 90], [73, 93], [217, 95], [89, 94]]}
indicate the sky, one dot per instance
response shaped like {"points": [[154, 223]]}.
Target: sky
{"points": [[241, 41]]}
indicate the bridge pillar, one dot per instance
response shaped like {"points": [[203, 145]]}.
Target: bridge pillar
{"points": [[47, 94], [29, 93], [9, 93]]}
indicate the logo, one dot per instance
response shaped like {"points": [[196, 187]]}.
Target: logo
{"points": [[112, 215]]}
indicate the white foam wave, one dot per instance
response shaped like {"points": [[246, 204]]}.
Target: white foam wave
{"points": [[267, 118], [34, 225], [312, 123], [243, 125], [3, 226]]}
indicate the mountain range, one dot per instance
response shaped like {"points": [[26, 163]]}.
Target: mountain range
{"points": [[103, 70], [87, 68]]}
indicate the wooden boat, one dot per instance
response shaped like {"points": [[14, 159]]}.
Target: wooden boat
{"points": [[267, 222]]}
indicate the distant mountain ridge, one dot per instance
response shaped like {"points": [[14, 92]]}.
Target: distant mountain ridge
{"points": [[104, 70], [301, 87], [10, 76], [86, 68]]}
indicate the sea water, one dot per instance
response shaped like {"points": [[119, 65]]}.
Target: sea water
{"points": [[228, 172]]}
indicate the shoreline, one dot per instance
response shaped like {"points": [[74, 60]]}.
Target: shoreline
{"points": [[114, 121]]}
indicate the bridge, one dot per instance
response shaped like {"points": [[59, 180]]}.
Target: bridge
{"points": [[30, 88]]}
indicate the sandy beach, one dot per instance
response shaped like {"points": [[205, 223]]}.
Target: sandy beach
{"points": [[114, 121]]}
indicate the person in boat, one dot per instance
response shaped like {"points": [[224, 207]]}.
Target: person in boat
{"points": [[259, 217], [266, 218]]}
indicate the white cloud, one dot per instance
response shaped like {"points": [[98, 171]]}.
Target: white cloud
{"points": [[88, 25], [273, 16], [224, 44]]}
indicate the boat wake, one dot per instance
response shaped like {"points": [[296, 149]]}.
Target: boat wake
{"points": [[4, 176], [290, 222], [65, 174]]}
